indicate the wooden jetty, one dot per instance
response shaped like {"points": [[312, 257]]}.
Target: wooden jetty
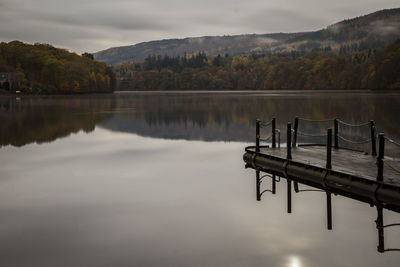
{"points": [[372, 177]]}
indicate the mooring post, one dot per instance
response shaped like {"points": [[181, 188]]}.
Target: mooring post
{"points": [[381, 155], [279, 139], [296, 126], [258, 191], [336, 132], [273, 133], [289, 141], [257, 135], [329, 149], [289, 196], [329, 209], [373, 137], [379, 226]]}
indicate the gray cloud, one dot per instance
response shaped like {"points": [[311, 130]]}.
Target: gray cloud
{"points": [[92, 25], [284, 20]]}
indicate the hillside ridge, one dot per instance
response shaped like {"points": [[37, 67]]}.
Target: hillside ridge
{"points": [[373, 30]]}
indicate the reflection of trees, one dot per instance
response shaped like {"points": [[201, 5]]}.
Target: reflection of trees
{"points": [[45, 119], [210, 117], [231, 116]]}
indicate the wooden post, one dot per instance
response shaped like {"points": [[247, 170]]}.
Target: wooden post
{"points": [[329, 209], [379, 226], [279, 139], [381, 156], [289, 141], [373, 137], [289, 196], [336, 133], [273, 133], [296, 126], [257, 135], [329, 149], [258, 190]]}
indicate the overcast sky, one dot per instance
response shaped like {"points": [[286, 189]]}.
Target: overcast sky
{"points": [[93, 25]]}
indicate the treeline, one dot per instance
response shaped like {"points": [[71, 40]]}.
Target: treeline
{"points": [[44, 69], [370, 69]]}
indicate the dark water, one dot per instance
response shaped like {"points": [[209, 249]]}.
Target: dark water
{"points": [[156, 179]]}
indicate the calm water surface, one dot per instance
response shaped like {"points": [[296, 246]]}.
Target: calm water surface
{"points": [[157, 179]]}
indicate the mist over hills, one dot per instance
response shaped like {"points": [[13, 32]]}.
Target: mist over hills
{"points": [[374, 30]]}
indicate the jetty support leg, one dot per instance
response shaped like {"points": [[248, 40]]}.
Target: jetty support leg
{"points": [[257, 135], [258, 185], [273, 184], [329, 209], [296, 186], [289, 196], [381, 234]]}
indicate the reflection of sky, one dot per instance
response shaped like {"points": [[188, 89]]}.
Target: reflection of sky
{"points": [[118, 199], [294, 261]]}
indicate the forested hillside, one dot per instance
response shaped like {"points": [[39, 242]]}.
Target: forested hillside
{"points": [[371, 31], [371, 69], [42, 68]]}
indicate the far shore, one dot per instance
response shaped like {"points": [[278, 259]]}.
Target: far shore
{"points": [[4, 93], [294, 91]]}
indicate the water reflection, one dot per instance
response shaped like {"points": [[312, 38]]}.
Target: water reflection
{"points": [[190, 116], [294, 261], [119, 199], [44, 119], [380, 225]]}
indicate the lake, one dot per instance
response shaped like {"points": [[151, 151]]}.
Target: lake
{"points": [[158, 179]]}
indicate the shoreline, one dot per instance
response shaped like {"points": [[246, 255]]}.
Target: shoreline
{"points": [[249, 92], [293, 91]]}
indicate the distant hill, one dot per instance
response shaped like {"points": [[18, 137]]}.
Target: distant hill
{"points": [[374, 30]]}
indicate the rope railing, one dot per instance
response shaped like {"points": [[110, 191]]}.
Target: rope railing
{"points": [[386, 162], [353, 125], [335, 125], [392, 141], [310, 120], [355, 142], [260, 125], [310, 135], [264, 124], [266, 139]]}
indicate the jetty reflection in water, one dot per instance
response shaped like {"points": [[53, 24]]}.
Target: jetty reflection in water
{"points": [[379, 221]]}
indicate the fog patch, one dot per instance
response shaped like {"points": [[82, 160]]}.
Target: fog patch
{"points": [[385, 28], [265, 41]]}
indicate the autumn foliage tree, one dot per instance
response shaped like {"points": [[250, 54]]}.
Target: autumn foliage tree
{"points": [[379, 69], [42, 68]]}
